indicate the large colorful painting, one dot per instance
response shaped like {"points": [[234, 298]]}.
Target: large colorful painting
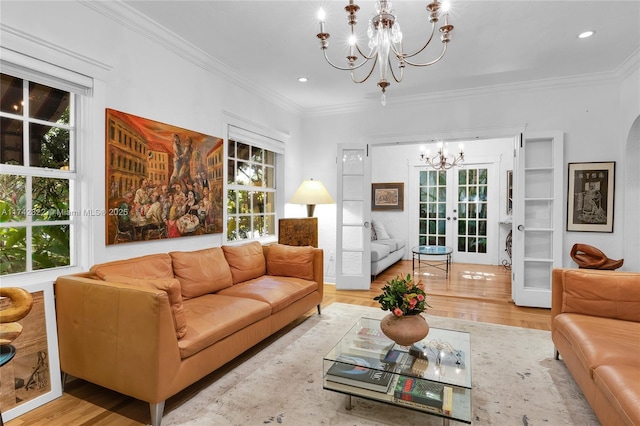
{"points": [[162, 181]]}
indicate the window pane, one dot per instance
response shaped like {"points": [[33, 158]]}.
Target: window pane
{"points": [[243, 174], [244, 227], [50, 199], [48, 146], [270, 204], [270, 225], [13, 198], [423, 178], [47, 103], [231, 171], [11, 142], [13, 242], [11, 89], [231, 149], [232, 232], [243, 151], [232, 202], [244, 203], [258, 202], [257, 154], [50, 246], [270, 158], [269, 177], [482, 179], [256, 175]]}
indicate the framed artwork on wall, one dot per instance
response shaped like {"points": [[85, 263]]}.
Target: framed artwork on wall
{"points": [[387, 196], [590, 196], [162, 181], [32, 377]]}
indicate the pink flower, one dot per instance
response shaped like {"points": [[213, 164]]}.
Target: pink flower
{"points": [[397, 312], [413, 303], [420, 297]]}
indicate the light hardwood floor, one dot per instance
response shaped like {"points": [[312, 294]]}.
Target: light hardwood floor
{"points": [[472, 292]]}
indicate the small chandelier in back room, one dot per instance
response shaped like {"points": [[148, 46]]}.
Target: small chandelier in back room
{"points": [[385, 42], [442, 160]]}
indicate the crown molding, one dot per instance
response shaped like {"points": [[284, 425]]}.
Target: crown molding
{"points": [[465, 94], [132, 19], [28, 46]]}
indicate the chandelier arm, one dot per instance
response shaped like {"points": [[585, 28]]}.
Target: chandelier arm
{"points": [[355, 67], [398, 80], [444, 50], [373, 67]]}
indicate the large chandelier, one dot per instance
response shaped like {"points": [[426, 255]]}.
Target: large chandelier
{"points": [[442, 160], [385, 42]]}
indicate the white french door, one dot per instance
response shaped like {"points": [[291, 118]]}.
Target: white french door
{"points": [[353, 221], [458, 208]]}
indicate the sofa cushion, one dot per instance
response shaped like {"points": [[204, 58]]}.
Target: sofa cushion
{"points": [[393, 243], [381, 232], [150, 266], [169, 285], [621, 386], [201, 271], [379, 251], [278, 292], [619, 299], [290, 261], [600, 341], [213, 317], [246, 261]]}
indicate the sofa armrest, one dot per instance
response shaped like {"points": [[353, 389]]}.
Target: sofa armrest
{"points": [[601, 293], [109, 333]]}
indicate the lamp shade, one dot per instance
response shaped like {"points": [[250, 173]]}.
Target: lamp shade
{"points": [[311, 192]]}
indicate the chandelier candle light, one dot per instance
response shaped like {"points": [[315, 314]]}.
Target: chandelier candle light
{"points": [[385, 41], [442, 160]]}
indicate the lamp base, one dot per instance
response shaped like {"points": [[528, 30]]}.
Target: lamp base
{"points": [[310, 209]]}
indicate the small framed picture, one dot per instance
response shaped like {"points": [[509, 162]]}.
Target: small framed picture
{"points": [[387, 196], [590, 197]]}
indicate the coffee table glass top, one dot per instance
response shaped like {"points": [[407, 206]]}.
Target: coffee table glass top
{"points": [[434, 250], [443, 358]]}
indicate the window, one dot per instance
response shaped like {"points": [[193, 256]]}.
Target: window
{"points": [[37, 175], [251, 191]]}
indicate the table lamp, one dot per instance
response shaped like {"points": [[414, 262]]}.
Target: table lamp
{"points": [[311, 192]]}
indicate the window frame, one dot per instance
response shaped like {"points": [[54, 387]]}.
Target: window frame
{"points": [[77, 92], [232, 186]]}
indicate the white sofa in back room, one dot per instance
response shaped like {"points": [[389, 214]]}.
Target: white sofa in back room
{"points": [[385, 251]]}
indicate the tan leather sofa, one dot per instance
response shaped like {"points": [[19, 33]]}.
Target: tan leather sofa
{"points": [[595, 328], [150, 326]]}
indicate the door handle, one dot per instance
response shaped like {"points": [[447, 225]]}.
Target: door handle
{"points": [[520, 228], [366, 224]]}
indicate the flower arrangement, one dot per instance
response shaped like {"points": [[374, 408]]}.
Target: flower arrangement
{"points": [[403, 296]]}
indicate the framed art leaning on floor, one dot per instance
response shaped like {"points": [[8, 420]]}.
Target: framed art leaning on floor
{"points": [[590, 197]]}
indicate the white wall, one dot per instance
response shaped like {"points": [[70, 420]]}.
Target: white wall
{"points": [[589, 112], [138, 75]]}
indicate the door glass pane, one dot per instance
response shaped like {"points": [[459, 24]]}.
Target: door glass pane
{"points": [[352, 212], [352, 187], [353, 162]]}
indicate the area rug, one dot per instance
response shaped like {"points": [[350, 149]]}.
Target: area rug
{"points": [[516, 381]]}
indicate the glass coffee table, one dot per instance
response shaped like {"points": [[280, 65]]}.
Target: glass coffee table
{"points": [[429, 252], [432, 376]]}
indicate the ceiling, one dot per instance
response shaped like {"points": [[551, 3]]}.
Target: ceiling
{"points": [[272, 43]]}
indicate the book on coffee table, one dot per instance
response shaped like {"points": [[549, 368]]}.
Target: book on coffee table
{"points": [[362, 372], [420, 391]]}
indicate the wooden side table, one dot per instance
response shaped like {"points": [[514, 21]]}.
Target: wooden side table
{"points": [[298, 232]]}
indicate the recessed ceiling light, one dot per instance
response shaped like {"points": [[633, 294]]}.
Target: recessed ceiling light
{"points": [[586, 34], [303, 79]]}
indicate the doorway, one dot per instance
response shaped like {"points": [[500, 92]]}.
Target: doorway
{"points": [[459, 209]]}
